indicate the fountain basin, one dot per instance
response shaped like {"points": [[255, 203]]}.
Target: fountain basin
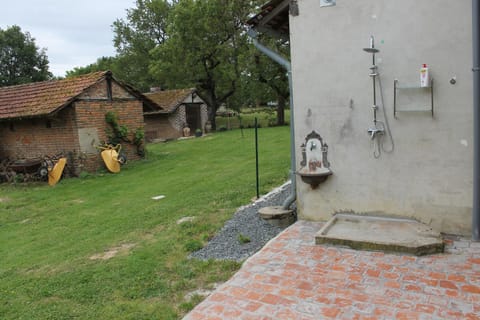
{"points": [[316, 177]]}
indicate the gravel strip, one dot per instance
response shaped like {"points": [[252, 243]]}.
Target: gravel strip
{"points": [[231, 243]]}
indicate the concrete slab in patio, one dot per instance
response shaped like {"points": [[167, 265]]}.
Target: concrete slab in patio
{"points": [[293, 278], [380, 233]]}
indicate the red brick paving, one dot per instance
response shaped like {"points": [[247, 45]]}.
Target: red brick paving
{"points": [[292, 278]]}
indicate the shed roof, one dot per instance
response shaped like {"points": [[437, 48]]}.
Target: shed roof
{"points": [[170, 100], [273, 18], [47, 97]]}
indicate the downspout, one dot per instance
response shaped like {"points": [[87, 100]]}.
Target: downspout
{"points": [[288, 67], [476, 123]]}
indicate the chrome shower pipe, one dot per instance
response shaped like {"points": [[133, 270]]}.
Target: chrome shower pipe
{"points": [[374, 73], [371, 49]]}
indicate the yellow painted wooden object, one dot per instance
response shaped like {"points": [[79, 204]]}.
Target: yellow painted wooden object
{"points": [[55, 173], [110, 158]]}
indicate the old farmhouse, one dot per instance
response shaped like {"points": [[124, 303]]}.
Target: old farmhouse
{"points": [[179, 109], [69, 117]]}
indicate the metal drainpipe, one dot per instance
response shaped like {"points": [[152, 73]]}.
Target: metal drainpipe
{"points": [[476, 123], [286, 64]]}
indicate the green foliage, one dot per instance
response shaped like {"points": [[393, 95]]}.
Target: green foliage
{"points": [[193, 245], [201, 44], [119, 132], [102, 64], [111, 118], [265, 118], [264, 80], [50, 236], [21, 61], [206, 40], [139, 136], [143, 30], [243, 239]]}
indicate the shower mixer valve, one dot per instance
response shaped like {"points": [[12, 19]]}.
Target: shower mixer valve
{"points": [[375, 131]]}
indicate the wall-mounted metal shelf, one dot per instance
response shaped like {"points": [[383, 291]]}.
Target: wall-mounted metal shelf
{"points": [[397, 86]]}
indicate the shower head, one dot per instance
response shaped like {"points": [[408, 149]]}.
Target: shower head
{"points": [[371, 49]]}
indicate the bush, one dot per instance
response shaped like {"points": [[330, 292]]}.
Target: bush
{"points": [[243, 239], [193, 245]]}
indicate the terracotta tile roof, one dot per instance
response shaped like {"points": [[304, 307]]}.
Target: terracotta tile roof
{"points": [[169, 100], [43, 98]]}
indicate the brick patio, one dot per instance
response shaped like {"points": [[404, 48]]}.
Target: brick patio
{"points": [[292, 278]]}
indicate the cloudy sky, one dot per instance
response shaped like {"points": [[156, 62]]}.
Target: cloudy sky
{"points": [[74, 32]]}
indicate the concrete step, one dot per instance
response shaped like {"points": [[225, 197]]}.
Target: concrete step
{"points": [[379, 233]]}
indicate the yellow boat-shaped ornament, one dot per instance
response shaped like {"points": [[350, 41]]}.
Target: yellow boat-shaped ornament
{"points": [[55, 173], [110, 158]]}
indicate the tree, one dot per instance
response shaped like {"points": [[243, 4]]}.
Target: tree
{"points": [[204, 43], [102, 64], [274, 75], [21, 61], [144, 28]]}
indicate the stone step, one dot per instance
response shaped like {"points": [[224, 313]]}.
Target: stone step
{"points": [[380, 233]]}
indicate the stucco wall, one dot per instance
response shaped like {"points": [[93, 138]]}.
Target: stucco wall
{"points": [[429, 174]]}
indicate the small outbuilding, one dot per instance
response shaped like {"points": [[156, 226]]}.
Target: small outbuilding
{"points": [[178, 109], [69, 117]]}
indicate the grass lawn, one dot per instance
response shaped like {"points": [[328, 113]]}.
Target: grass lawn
{"points": [[55, 242], [266, 117]]}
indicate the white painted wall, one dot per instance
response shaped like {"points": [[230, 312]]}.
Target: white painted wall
{"points": [[429, 174]]}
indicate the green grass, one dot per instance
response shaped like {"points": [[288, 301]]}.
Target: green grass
{"points": [[266, 117], [48, 236]]}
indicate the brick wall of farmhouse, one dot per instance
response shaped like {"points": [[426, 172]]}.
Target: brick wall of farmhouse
{"points": [[91, 116], [159, 127], [39, 137], [91, 119], [99, 91], [165, 126]]}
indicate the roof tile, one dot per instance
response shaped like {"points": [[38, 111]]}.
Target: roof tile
{"points": [[169, 100], [43, 98]]}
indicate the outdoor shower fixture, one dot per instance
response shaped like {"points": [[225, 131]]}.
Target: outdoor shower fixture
{"points": [[377, 128]]}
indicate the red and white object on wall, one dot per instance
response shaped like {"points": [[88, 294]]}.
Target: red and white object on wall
{"points": [[424, 77]]}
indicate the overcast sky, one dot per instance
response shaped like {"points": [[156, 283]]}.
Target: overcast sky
{"points": [[74, 32]]}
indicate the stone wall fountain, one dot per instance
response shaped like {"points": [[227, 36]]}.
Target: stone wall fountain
{"points": [[315, 166]]}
